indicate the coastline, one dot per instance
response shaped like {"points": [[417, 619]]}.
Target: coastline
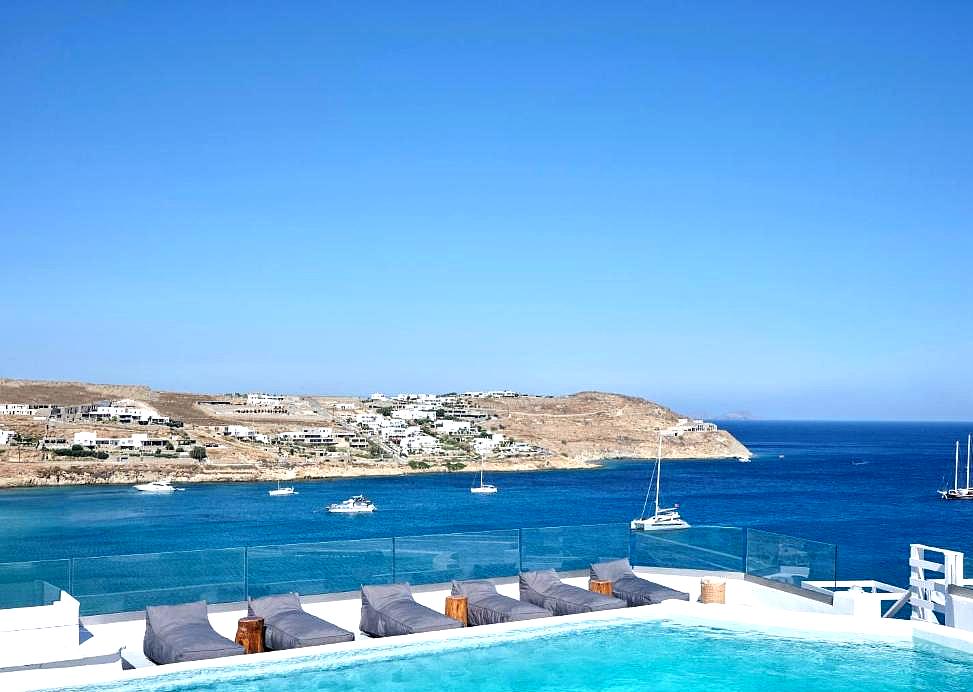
{"points": [[120, 474]]}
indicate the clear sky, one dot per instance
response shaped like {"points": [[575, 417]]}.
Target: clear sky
{"points": [[721, 206]]}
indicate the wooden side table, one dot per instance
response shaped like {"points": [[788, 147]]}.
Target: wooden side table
{"points": [[250, 634], [458, 608], [602, 586]]}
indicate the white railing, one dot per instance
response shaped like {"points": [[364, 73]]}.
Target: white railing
{"points": [[928, 591]]}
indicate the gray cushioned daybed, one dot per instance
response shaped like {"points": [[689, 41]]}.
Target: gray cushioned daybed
{"points": [[544, 589], [632, 589], [288, 626], [182, 633], [486, 606], [389, 609]]}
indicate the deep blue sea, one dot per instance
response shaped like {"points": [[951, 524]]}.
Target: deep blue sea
{"points": [[868, 487]]}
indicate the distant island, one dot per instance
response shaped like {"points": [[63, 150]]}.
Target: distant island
{"points": [[63, 433]]}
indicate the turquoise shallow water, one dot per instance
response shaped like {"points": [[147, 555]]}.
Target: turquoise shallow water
{"points": [[660, 657]]}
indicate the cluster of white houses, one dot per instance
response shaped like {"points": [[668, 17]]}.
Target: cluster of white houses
{"points": [[122, 411], [302, 436], [91, 440]]}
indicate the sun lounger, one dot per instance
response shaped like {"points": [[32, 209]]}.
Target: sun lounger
{"points": [[544, 589], [389, 610], [632, 589], [486, 607], [182, 633], [288, 626]]}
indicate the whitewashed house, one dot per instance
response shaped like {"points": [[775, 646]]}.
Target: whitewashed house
{"points": [[309, 436], [6, 436], [15, 410]]}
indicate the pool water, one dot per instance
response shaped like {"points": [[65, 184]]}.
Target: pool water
{"points": [[656, 656]]}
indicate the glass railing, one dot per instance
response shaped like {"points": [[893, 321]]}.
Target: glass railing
{"points": [[27, 584], [313, 568], [121, 583], [125, 583], [717, 548], [565, 548], [440, 558], [789, 560]]}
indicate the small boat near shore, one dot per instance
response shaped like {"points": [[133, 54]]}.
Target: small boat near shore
{"points": [[956, 492], [281, 492], [158, 487], [483, 488], [358, 504]]}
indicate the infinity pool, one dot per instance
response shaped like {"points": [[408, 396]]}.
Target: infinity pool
{"points": [[656, 656]]}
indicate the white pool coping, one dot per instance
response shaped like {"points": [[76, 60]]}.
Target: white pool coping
{"points": [[750, 608]]}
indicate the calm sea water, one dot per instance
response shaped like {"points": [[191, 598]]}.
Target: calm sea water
{"points": [[660, 657], [868, 487]]}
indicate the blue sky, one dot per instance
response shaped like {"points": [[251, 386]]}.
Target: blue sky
{"points": [[720, 206]]}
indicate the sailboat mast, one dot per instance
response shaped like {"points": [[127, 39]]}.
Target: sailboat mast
{"points": [[968, 440], [956, 469], [481, 472], [658, 473]]}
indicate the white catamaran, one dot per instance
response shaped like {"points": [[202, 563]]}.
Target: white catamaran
{"points": [[483, 488], [958, 493], [664, 518]]}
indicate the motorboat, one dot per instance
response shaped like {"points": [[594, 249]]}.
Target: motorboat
{"points": [[664, 518], [353, 505], [743, 459], [161, 487], [280, 492], [956, 492], [483, 488]]}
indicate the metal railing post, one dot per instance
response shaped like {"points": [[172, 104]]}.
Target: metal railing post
{"points": [[246, 573], [520, 550]]}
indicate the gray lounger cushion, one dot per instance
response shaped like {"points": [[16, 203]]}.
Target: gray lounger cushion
{"points": [[389, 610], [632, 589], [183, 633], [288, 626], [487, 607], [544, 589]]}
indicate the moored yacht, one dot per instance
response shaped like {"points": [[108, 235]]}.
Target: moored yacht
{"points": [[483, 488], [279, 492], [956, 492], [353, 505], [163, 486], [664, 518]]}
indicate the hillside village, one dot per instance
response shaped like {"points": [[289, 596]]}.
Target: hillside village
{"points": [[56, 433]]}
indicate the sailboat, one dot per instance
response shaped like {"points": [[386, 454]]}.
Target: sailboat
{"points": [[288, 490], [483, 488], [958, 493], [664, 518]]}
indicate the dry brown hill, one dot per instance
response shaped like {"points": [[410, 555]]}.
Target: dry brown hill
{"points": [[596, 425]]}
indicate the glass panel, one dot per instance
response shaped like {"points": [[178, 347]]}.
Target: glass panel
{"points": [[443, 557], [700, 547], [125, 583], [572, 547], [316, 568], [788, 559], [27, 584]]}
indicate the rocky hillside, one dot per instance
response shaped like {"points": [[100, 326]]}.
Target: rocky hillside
{"points": [[594, 425]]}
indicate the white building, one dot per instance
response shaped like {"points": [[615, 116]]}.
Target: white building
{"points": [[684, 425], [125, 412], [88, 439], [6, 436], [309, 436], [420, 443], [15, 410], [411, 413], [485, 446], [454, 427]]}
